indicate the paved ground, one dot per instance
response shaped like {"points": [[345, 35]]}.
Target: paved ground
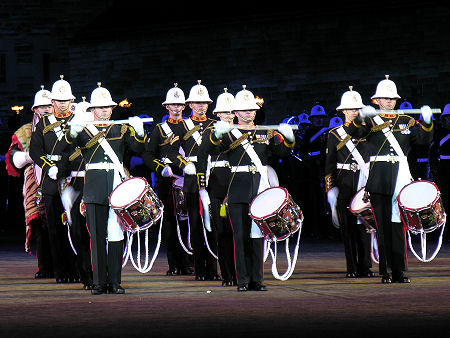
{"points": [[317, 301]]}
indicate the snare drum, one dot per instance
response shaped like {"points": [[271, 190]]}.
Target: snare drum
{"points": [[276, 214], [136, 204], [363, 210], [180, 202], [421, 206]]}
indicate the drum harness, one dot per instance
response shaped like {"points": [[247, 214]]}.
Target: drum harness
{"points": [[263, 185]]}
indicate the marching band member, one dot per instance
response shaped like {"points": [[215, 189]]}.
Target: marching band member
{"points": [[439, 155], [213, 181], [190, 132], [161, 147], [247, 152], [345, 173], [103, 146], [71, 196], [47, 151], [389, 138], [18, 160], [316, 143]]}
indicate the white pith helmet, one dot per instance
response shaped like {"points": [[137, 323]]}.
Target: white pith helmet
{"points": [[386, 89], [42, 98], [350, 100], [245, 100], [82, 108], [61, 90], [225, 102], [174, 96], [101, 97], [198, 93]]}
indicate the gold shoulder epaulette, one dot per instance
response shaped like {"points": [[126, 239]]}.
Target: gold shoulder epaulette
{"points": [[94, 139], [51, 127], [190, 132], [75, 154], [343, 142], [238, 141], [379, 127]]}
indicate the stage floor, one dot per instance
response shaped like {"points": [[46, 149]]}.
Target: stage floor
{"points": [[317, 301]]}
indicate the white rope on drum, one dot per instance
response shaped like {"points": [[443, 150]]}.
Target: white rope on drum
{"points": [[423, 244], [291, 263], [147, 267], [187, 248]]}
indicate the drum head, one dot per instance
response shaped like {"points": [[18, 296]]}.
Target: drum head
{"points": [[418, 195], [357, 203], [128, 191], [268, 202]]}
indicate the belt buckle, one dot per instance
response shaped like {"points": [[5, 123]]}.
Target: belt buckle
{"points": [[391, 158], [353, 167], [252, 168]]}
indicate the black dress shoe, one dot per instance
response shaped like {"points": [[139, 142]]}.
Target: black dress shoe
{"points": [[366, 274], [171, 272], [213, 277], [386, 279], [60, 280], [200, 278], [400, 279], [242, 288], [87, 286], [257, 287], [185, 271], [352, 275], [99, 289], [74, 280], [39, 275], [116, 289], [227, 283]]}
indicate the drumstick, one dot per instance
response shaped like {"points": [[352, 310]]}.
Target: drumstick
{"points": [[405, 111], [145, 119], [262, 127]]}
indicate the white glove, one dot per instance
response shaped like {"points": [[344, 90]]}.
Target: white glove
{"points": [[367, 111], [427, 114], [286, 130], [167, 171], [332, 195], [189, 169], [221, 128], [53, 172], [137, 124], [77, 124], [21, 159], [204, 197]]}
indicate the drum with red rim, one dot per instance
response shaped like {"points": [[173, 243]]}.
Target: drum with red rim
{"points": [[136, 204], [421, 206], [276, 214], [361, 208]]}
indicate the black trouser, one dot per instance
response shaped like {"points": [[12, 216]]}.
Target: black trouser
{"points": [[390, 236], [355, 239], [81, 242], [205, 264], [63, 256], [40, 234], [106, 263], [248, 252], [225, 246]]}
